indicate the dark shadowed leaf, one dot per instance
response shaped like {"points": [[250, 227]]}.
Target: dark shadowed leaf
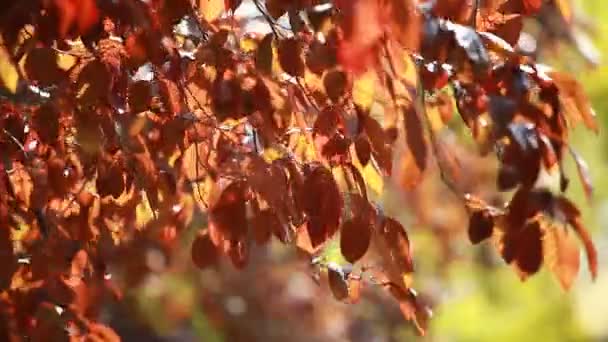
{"points": [[264, 224], [481, 225], [363, 149], [468, 39], [529, 250], [413, 162], [335, 82], [355, 237], [322, 203], [264, 55], [228, 217], [204, 253], [41, 66], [239, 253], [290, 57]]}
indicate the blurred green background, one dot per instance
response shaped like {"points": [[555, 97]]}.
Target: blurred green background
{"points": [[492, 304]]}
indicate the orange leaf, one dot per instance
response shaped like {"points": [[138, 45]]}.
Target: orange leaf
{"points": [[562, 255]]}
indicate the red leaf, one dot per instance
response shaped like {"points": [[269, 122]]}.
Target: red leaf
{"points": [[531, 7], [363, 29]]}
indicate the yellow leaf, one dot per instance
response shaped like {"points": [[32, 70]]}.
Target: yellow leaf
{"points": [[8, 73], [211, 9], [65, 61], [248, 44], [363, 90]]}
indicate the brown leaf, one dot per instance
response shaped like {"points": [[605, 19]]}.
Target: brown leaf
{"points": [[363, 149], [322, 203], [358, 179], [320, 56], [228, 216], [398, 245], [290, 57], [226, 97], [528, 250], [336, 84], [264, 224], [93, 83], [447, 160], [46, 123], [413, 162], [481, 225], [380, 142], [41, 66], [204, 253], [355, 237], [239, 253], [264, 55]]}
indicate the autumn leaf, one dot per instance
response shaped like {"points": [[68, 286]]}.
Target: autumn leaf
{"points": [[8, 72]]}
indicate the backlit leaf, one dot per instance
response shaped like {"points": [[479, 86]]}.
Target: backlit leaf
{"points": [[562, 254], [8, 72]]}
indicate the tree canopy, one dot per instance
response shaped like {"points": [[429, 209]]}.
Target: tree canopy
{"points": [[128, 124]]}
